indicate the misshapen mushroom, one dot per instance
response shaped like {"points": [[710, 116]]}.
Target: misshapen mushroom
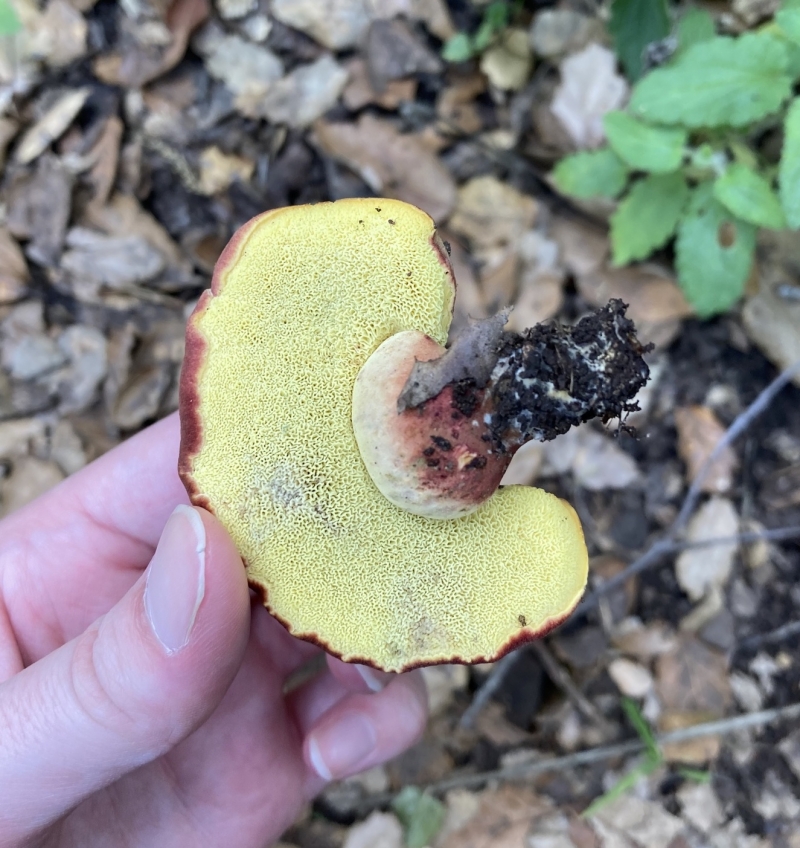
{"points": [[301, 299]]}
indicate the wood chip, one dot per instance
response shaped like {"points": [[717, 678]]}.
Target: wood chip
{"points": [[51, 125]]}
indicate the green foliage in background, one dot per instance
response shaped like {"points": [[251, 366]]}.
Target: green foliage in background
{"points": [[464, 46], [9, 22], [421, 815], [634, 25], [681, 158]]}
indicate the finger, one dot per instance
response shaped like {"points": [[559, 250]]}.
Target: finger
{"points": [[71, 554], [357, 676], [132, 686], [286, 653], [362, 730]]}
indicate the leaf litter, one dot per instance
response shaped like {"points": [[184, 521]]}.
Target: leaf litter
{"points": [[136, 142]]}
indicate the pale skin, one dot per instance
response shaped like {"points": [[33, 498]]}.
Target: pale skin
{"points": [[118, 728]]}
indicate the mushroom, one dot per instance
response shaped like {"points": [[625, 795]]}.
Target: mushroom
{"points": [[314, 320]]}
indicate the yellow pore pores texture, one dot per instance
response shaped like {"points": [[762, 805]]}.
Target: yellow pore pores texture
{"points": [[308, 295]]}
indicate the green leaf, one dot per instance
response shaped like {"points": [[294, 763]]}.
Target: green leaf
{"points": [[595, 173], [713, 254], [655, 149], [458, 48], [647, 217], [642, 728], [749, 196], [721, 82], [633, 25], [9, 22], [695, 27], [789, 22], [789, 170], [421, 815], [495, 19]]}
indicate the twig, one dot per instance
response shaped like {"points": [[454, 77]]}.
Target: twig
{"points": [[665, 547], [777, 635], [523, 771], [669, 543], [737, 427], [489, 687], [562, 679]]}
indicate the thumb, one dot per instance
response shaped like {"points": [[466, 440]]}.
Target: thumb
{"points": [[131, 687]]}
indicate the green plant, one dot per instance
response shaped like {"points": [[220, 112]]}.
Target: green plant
{"points": [[421, 815], [684, 162], [464, 46], [9, 21], [652, 760]]}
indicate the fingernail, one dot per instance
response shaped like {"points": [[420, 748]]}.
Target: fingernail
{"points": [[336, 750], [374, 679], [176, 579]]}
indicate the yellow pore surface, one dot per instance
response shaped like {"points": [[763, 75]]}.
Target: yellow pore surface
{"points": [[310, 293]]}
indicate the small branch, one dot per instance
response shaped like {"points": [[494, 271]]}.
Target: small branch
{"points": [[489, 687], [525, 771], [559, 675], [777, 635]]}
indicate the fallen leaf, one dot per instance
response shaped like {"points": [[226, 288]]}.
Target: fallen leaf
{"points": [[455, 106], [248, 70], [492, 214], [105, 155], [359, 91], [305, 93], [336, 24], [700, 806], [643, 641], [693, 678], [655, 303], [647, 823], [555, 32], [442, 683], [583, 247], [632, 679], [504, 819], [218, 170], [378, 830], [434, 14], [508, 63], [51, 125], [590, 87], [699, 431], [39, 206], [394, 51], [391, 163], [698, 570], [596, 460], [138, 64], [14, 275], [16, 436]]}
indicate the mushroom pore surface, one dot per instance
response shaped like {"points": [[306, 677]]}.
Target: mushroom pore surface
{"points": [[301, 298]]}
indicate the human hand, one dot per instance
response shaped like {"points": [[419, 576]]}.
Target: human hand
{"points": [[144, 706]]}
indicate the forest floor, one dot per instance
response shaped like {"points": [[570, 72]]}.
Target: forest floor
{"points": [[137, 136]]}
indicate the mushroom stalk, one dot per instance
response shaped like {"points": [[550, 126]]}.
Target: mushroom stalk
{"points": [[461, 414]]}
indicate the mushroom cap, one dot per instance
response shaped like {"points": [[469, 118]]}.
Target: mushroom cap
{"points": [[300, 299]]}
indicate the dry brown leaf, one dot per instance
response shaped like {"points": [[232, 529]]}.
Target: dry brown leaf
{"points": [[647, 823], [391, 163], [51, 125], [434, 14], [643, 641], [500, 278], [337, 24], [456, 108], [359, 91], [394, 51], [693, 678], [14, 275], [558, 31], [656, 304], [105, 154], [137, 65], [39, 206], [62, 31], [304, 94], [471, 302], [583, 247], [701, 569], [378, 830], [540, 298], [508, 63], [590, 87], [492, 214], [699, 431], [504, 819], [218, 170]]}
